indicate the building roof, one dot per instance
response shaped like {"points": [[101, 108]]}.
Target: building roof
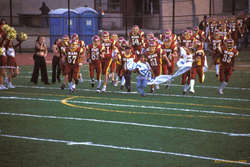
{"points": [[85, 9], [61, 11]]}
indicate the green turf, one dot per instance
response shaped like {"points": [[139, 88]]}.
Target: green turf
{"points": [[48, 102]]}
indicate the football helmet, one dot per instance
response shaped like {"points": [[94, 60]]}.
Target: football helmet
{"points": [[75, 36], [96, 40], [229, 43], [105, 36]]}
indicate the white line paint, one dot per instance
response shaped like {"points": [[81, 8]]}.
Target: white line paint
{"points": [[70, 143], [174, 85], [126, 105], [128, 123], [152, 94]]}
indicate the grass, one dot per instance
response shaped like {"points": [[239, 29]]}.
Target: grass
{"points": [[76, 119]]}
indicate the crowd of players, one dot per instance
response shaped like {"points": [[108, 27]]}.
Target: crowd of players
{"points": [[108, 54]]}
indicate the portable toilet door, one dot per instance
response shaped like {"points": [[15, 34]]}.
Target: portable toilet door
{"points": [[88, 27], [59, 23]]}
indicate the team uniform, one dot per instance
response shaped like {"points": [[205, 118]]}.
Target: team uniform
{"points": [[216, 42], [169, 50], [197, 68], [94, 59], [136, 41], [227, 63], [125, 72], [72, 66]]}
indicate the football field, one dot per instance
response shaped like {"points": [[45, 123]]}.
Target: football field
{"points": [[42, 125]]}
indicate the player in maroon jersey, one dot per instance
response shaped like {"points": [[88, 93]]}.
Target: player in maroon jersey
{"points": [[73, 59], [62, 51], [227, 59], [215, 42], [155, 56], [197, 66], [94, 52], [106, 57], [136, 39], [170, 48], [126, 53]]}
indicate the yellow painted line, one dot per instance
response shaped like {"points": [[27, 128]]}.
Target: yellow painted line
{"points": [[227, 161], [142, 101], [65, 102]]}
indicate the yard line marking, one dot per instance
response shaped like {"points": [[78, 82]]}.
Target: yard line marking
{"points": [[70, 143], [67, 100], [158, 108], [152, 94], [128, 123], [172, 85], [136, 100]]}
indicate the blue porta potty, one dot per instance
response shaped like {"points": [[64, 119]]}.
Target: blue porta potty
{"points": [[59, 23], [88, 23]]}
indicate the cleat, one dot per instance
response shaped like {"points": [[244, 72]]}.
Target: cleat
{"points": [[98, 90], [220, 91], [217, 75], [92, 85], [2, 87], [103, 89], [129, 90], [63, 87], [184, 93], [122, 87], [116, 83], [10, 85], [143, 95], [191, 92]]}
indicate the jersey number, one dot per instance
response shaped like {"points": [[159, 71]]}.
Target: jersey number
{"points": [[226, 58], [72, 59]]}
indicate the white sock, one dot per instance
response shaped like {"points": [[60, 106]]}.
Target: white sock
{"points": [[223, 85], [104, 86], [186, 87], [99, 84], [217, 69], [123, 81], [192, 82], [116, 77]]}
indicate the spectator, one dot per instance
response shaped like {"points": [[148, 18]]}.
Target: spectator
{"points": [[45, 13], [203, 24], [2, 35], [100, 18], [56, 70], [41, 52]]}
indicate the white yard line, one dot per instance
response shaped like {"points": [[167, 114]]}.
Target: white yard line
{"points": [[174, 85], [126, 105], [128, 123], [71, 143], [153, 94]]}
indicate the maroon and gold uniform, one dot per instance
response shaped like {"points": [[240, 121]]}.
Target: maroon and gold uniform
{"points": [[216, 42], [170, 51], [227, 62], [108, 48], [94, 59], [198, 64], [136, 39], [73, 59], [155, 60]]}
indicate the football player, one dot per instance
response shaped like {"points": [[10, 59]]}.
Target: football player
{"points": [[74, 55], [155, 56], [227, 59], [197, 66], [94, 52], [106, 58]]}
